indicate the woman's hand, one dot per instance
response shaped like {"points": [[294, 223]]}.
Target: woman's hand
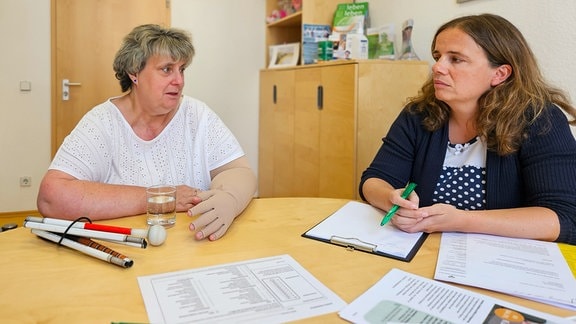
{"points": [[186, 198], [407, 214], [435, 218], [217, 211]]}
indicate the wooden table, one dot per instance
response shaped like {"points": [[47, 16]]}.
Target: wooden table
{"points": [[43, 283]]}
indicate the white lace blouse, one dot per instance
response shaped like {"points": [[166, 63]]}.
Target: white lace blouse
{"points": [[104, 148]]}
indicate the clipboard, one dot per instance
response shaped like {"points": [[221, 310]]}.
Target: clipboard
{"points": [[356, 226]]}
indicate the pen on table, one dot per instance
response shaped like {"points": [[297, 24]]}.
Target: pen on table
{"points": [[138, 232], [125, 263], [115, 237], [407, 191]]}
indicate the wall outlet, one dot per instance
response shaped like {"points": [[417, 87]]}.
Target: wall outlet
{"points": [[25, 181]]}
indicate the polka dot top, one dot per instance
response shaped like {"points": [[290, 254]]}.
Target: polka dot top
{"points": [[462, 182], [104, 148]]}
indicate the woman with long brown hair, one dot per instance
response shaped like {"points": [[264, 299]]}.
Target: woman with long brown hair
{"points": [[487, 140]]}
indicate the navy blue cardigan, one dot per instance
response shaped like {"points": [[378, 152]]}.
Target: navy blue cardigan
{"points": [[541, 173]]}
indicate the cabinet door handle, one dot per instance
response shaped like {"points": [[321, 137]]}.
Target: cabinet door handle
{"points": [[320, 97], [274, 94]]}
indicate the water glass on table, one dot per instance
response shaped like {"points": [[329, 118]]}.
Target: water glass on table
{"points": [[161, 205]]}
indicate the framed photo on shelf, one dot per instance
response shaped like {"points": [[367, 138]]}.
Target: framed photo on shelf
{"points": [[284, 55]]}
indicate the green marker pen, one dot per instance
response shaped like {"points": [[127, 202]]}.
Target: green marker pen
{"points": [[407, 191]]}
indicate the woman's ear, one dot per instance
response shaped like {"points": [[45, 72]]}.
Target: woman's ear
{"points": [[502, 74]]}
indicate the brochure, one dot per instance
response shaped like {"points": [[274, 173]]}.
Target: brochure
{"points": [[402, 297]]}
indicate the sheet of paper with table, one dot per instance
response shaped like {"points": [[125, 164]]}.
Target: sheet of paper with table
{"points": [[267, 290], [357, 226], [530, 269]]}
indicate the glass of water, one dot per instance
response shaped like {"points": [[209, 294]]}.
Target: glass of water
{"points": [[161, 205]]}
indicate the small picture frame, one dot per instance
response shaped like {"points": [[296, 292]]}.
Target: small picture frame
{"points": [[284, 55]]}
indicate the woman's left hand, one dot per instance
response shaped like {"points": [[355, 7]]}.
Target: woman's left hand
{"points": [[436, 218], [217, 212]]}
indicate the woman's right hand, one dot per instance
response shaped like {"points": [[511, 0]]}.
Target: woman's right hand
{"points": [[408, 213], [186, 198]]}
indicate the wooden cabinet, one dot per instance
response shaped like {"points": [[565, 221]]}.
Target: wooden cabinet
{"points": [[276, 133], [321, 125]]}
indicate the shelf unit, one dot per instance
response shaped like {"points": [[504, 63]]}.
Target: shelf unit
{"points": [[320, 125], [289, 28]]}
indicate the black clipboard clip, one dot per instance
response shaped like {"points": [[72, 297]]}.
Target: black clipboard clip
{"points": [[352, 244]]}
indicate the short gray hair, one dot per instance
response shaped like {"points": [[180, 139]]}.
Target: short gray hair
{"points": [[145, 41]]}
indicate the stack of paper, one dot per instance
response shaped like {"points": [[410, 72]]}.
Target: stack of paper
{"points": [[529, 269]]}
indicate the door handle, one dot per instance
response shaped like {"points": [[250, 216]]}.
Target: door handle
{"points": [[66, 84], [320, 97]]}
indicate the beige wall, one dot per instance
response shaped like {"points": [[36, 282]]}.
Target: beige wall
{"points": [[229, 36], [25, 116], [229, 40]]}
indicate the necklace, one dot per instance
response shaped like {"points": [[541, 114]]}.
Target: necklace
{"points": [[457, 149]]}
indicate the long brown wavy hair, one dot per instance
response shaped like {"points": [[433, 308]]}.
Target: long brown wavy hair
{"points": [[508, 108]]}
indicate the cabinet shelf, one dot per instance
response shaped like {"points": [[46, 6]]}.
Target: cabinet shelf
{"points": [[292, 20], [289, 29]]}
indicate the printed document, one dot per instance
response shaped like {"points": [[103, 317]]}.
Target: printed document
{"points": [[268, 290], [525, 268], [402, 297]]}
